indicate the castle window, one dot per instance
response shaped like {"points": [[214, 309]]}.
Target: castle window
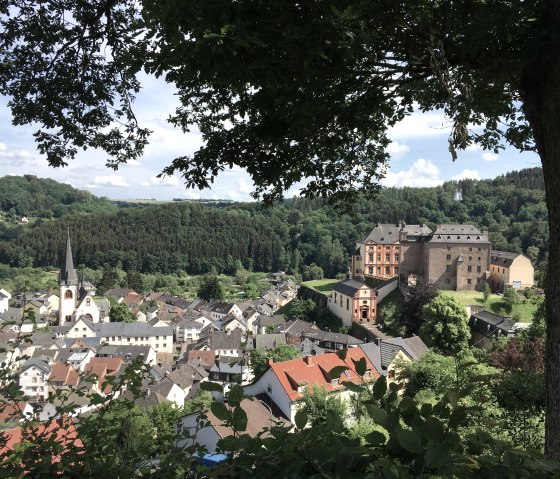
{"points": [[448, 257], [447, 268], [478, 269], [68, 294], [447, 281], [387, 270], [469, 281], [396, 258], [469, 269]]}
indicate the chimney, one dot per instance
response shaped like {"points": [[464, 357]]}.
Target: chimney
{"points": [[308, 360], [269, 362]]}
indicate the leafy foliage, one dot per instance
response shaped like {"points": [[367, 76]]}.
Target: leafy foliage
{"points": [[445, 324], [210, 288], [412, 308]]}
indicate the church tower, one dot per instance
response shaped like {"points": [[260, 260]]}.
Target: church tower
{"points": [[68, 284]]}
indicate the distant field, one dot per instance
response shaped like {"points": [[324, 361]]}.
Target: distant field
{"points": [[495, 304], [322, 285]]}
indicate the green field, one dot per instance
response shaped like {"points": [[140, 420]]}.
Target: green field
{"points": [[495, 304], [322, 285]]}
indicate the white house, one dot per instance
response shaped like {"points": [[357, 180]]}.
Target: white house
{"points": [[285, 382], [4, 300], [33, 379]]}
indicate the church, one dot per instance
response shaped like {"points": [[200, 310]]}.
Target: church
{"points": [[76, 297]]}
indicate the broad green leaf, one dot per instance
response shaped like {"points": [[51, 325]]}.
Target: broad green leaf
{"points": [[301, 419], [239, 419], [409, 441], [380, 387], [376, 438], [341, 353], [235, 395], [335, 372], [377, 414], [361, 366], [453, 396], [434, 429], [355, 388], [210, 386], [220, 411]]}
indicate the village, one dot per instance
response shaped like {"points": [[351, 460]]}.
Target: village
{"points": [[56, 343]]}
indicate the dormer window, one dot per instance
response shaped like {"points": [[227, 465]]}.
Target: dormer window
{"points": [[367, 374], [458, 237], [448, 237], [300, 388], [468, 237], [334, 382], [478, 237]]}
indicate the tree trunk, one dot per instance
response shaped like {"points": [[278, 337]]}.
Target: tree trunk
{"points": [[540, 91]]}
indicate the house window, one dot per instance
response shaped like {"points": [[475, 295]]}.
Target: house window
{"points": [[478, 269], [347, 304], [470, 249], [479, 258], [371, 270], [469, 269], [470, 258], [68, 294], [448, 257], [469, 281], [447, 268], [387, 270], [397, 258], [379, 258], [447, 281], [387, 257], [334, 382], [371, 258]]}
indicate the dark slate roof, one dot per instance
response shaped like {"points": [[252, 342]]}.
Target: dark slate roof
{"points": [[421, 231], [268, 341], [383, 233], [126, 353], [39, 363], [503, 258], [295, 327], [225, 339], [310, 348], [348, 287], [91, 342], [118, 292], [276, 320], [222, 307], [328, 336], [458, 234], [489, 323], [68, 275], [135, 329], [228, 367], [373, 352]]}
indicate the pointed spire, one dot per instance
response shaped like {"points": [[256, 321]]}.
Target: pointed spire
{"points": [[68, 274]]}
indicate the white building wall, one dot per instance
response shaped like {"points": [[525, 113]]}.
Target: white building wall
{"points": [[33, 383], [207, 437]]}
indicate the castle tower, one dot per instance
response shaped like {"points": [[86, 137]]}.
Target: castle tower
{"points": [[68, 287]]}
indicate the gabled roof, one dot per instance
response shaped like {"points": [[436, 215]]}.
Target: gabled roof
{"points": [[269, 341], [504, 258], [276, 320], [349, 287], [206, 357], [383, 234], [449, 233], [295, 327], [39, 363], [65, 374], [328, 336], [383, 354], [136, 329], [489, 323], [119, 292], [312, 371]]}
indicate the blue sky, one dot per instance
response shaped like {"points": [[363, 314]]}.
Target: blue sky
{"points": [[419, 157]]}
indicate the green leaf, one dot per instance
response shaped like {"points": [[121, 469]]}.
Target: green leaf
{"points": [[301, 419], [376, 438], [409, 441], [210, 386], [341, 353], [235, 395], [355, 388], [239, 421], [220, 411], [377, 414], [434, 429], [335, 372], [361, 366], [380, 387], [453, 396]]}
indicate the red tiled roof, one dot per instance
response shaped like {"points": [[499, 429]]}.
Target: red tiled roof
{"points": [[12, 411], [62, 432], [313, 370], [65, 374], [103, 367], [206, 357]]}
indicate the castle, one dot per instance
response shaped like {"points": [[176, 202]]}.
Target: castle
{"points": [[454, 257]]}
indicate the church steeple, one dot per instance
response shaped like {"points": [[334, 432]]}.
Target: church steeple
{"points": [[68, 274]]}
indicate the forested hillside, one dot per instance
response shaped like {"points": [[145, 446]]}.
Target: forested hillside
{"points": [[43, 198], [196, 238]]}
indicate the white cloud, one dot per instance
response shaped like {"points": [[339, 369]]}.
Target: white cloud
{"points": [[244, 187], [397, 150], [489, 156], [467, 174], [421, 173], [109, 180], [419, 125], [473, 147], [163, 181], [192, 195]]}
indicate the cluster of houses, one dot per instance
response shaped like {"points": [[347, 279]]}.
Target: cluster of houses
{"points": [[183, 343]]}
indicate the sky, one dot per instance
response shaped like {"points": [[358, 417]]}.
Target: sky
{"points": [[419, 157]]}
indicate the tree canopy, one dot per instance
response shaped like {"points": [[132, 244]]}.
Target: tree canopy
{"points": [[290, 91]]}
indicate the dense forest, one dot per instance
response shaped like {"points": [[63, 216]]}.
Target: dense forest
{"points": [[197, 238]]}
